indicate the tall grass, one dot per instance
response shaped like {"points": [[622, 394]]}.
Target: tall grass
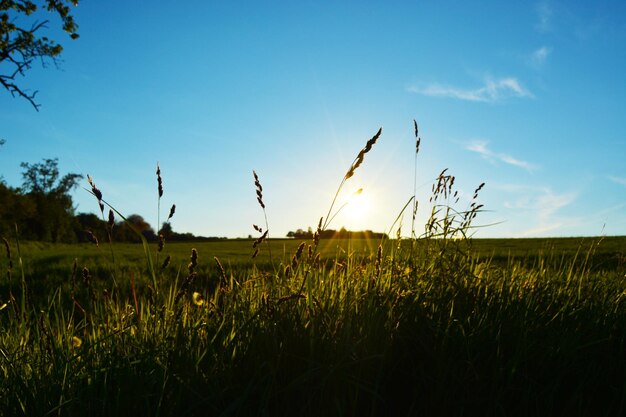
{"points": [[418, 326]]}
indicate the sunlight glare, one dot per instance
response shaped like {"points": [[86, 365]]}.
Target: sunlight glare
{"points": [[359, 205]]}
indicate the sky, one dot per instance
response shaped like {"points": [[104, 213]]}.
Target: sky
{"points": [[528, 97]]}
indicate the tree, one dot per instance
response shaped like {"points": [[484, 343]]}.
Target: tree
{"points": [[89, 222], [15, 208], [54, 208], [21, 43], [166, 230], [123, 232], [2, 142], [42, 177]]}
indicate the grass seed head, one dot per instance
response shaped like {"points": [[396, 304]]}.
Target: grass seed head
{"points": [[172, 211], [96, 192], [92, 238], [259, 240], [166, 262], [159, 180], [418, 140], [86, 276], [8, 249], [111, 221], [259, 189], [318, 232], [223, 278], [297, 255], [193, 261], [359, 159], [316, 261]]}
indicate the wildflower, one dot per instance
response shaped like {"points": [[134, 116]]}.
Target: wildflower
{"points": [[197, 298], [76, 342]]}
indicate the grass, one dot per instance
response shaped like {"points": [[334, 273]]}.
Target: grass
{"points": [[438, 324]]}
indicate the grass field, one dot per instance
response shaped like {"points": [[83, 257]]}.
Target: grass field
{"points": [[495, 327]]}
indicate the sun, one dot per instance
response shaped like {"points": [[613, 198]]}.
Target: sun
{"points": [[359, 206]]}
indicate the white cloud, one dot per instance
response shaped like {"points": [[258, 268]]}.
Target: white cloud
{"points": [[481, 148], [540, 207], [492, 91], [544, 17], [618, 180], [539, 56]]}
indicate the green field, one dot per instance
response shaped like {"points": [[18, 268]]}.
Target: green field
{"points": [[510, 327], [49, 266]]}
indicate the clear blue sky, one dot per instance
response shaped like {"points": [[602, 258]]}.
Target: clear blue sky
{"points": [[527, 97]]}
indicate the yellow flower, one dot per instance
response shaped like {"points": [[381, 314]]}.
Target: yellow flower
{"points": [[76, 342], [197, 298]]}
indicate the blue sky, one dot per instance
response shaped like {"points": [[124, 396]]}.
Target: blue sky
{"points": [[529, 98]]}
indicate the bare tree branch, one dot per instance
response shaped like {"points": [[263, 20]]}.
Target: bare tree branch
{"points": [[21, 45]]}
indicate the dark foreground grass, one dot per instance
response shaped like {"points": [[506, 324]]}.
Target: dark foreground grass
{"points": [[442, 332]]}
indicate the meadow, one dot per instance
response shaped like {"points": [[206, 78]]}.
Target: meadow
{"points": [[430, 324]]}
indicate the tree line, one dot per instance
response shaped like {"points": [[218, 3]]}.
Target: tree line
{"points": [[337, 234], [42, 209]]}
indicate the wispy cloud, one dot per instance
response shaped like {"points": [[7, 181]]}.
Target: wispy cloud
{"points": [[618, 180], [546, 207], [540, 207], [539, 56], [544, 17], [492, 91], [482, 149]]}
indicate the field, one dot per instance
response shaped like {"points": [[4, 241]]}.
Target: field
{"points": [[409, 327], [430, 324]]}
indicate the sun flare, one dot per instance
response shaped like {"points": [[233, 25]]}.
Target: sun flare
{"points": [[359, 205]]}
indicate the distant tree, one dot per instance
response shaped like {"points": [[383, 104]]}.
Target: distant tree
{"points": [[92, 223], [54, 208], [166, 230], [15, 209], [21, 24], [343, 233], [123, 233], [301, 234], [43, 178]]}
